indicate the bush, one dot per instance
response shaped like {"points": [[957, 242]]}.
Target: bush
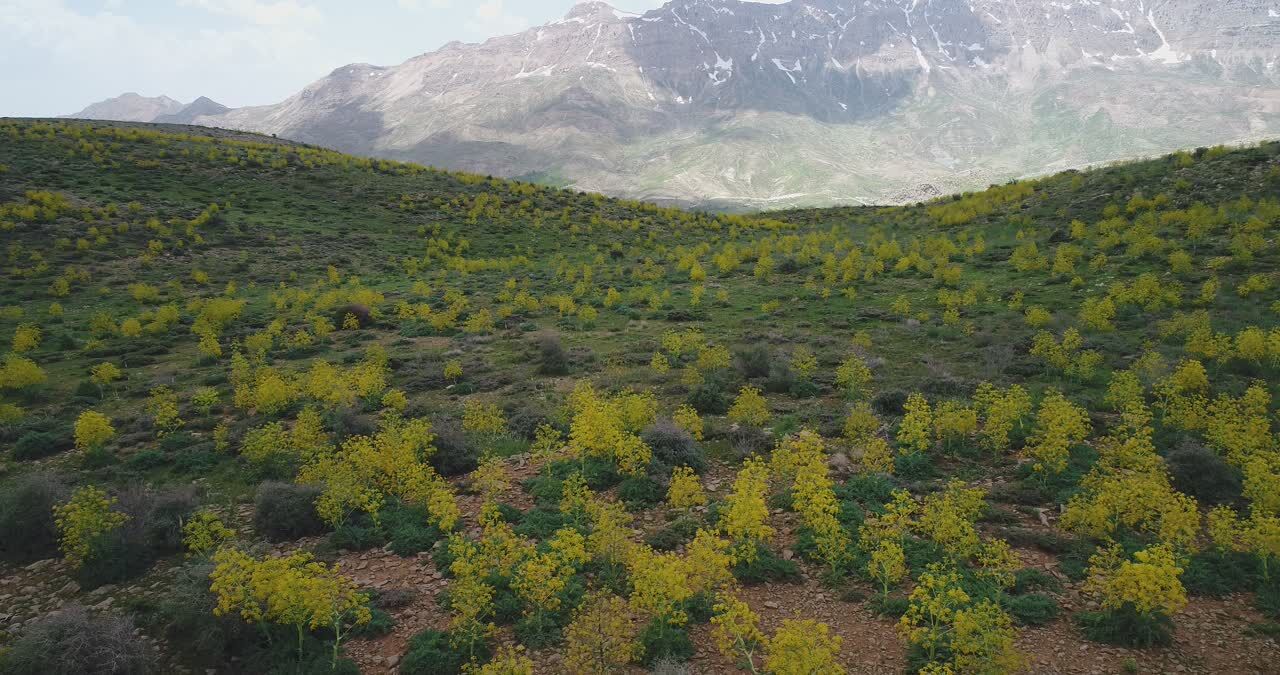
{"points": [[748, 440], [454, 455], [1031, 579], [285, 511], [38, 445], [1217, 574], [767, 567], [27, 529], [782, 379], [662, 642], [914, 466], [1125, 627], [680, 532], [552, 359], [357, 534], [1035, 609], [407, 530], [541, 522], [430, 653], [709, 398], [672, 447], [892, 606], [890, 403], [1199, 472], [360, 312], [154, 529], [1267, 599], [184, 616], [640, 492], [754, 361], [74, 642]]}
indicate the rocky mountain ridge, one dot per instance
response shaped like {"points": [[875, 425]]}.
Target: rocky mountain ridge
{"points": [[724, 102]]}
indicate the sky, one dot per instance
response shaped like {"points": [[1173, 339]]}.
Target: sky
{"points": [[57, 56]]}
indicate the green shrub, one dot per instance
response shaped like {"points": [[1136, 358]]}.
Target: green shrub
{"points": [[754, 361], [640, 492], [27, 529], [914, 466], [767, 567], [357, 534], [407, 529], [430, 653], [1126, 627], [1216, 574], [1199, 472], [1030, 579], [286, 511], [1035, 609], [660, 641], [38, 445], [673, 536], [709, 398], [541, 522]]}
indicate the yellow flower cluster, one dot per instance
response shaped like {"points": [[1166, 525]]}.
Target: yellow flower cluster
{"points": [[1150, 583], [1060, 424], [605, 427], [750, 408], [204, 532], [744, 519], [801, 461], [915, 432], [93, 430], [366, 470]]}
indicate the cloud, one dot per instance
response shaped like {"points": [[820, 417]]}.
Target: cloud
{"points": [[418, 5], [277, 13], [493, 18], [116, 52]]}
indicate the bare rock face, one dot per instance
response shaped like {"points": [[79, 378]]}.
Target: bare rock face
{"points": [[812, 101]]}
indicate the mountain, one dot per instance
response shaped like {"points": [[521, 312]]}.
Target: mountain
{"points": [[201, 107], [812, 101], [129, 107]]}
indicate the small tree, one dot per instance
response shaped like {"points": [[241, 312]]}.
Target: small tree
{"points": [[736, 629], [93, 430], [803, 647], [81, 520], [744, 519], [915, 432], [292, 591], [601, 639], [685, 491], [750, 408]]}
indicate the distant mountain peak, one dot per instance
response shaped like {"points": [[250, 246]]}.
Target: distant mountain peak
{"points": [[129, 107], [590, 10]]}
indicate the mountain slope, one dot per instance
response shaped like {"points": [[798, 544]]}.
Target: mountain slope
{"points": [[367, 361]]}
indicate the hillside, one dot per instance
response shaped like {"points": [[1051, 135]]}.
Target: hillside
{"points": [[751, 105], [1030, 428]]}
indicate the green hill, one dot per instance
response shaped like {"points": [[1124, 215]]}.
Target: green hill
{"points": [[319, 350]]}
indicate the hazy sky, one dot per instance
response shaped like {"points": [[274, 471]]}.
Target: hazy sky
{"points": [[56, 56]]}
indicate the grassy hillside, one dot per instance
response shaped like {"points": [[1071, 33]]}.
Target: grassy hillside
{"points": [[1023, 420]]}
